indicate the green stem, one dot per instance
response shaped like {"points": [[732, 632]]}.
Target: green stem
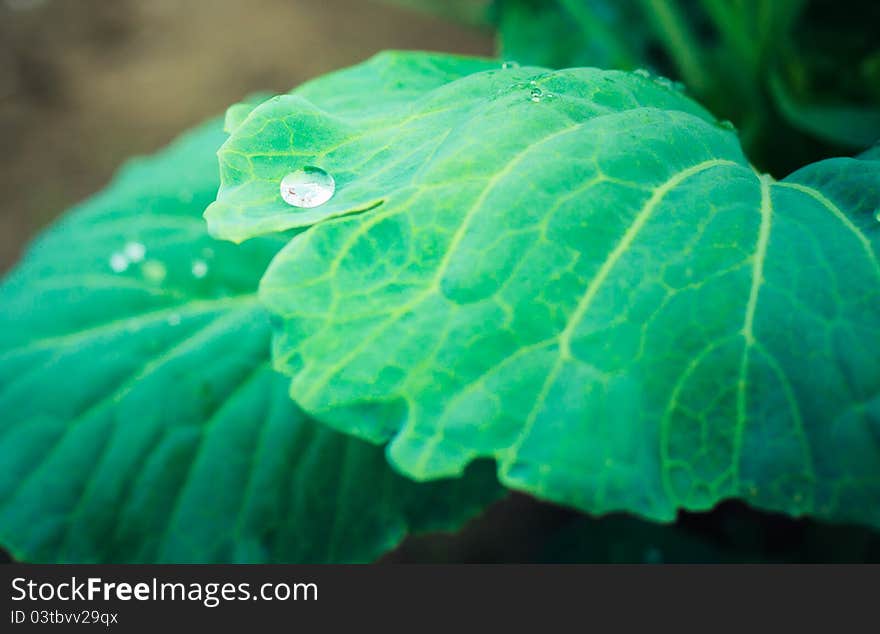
{"points": [[596, 30], [673, 30], [730, 24]]}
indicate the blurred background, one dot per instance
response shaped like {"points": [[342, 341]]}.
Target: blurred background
{"points": [[86, 84]]}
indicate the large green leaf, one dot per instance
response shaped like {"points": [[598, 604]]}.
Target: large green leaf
{"points": [[141, 418], [578, 274]]}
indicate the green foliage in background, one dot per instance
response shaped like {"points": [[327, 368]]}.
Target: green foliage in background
{"points": [[799, 78]]}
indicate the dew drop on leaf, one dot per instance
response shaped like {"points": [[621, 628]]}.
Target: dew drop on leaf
{"points": [[536, 95], [118, 262], [509, 65], [154, 271], [307, 187], [199, 269], [134, 251]]}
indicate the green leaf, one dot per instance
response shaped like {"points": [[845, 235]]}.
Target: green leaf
{"points": [[594, 289], [374, 126], [325, 115], [872, 154], [141, 418]]}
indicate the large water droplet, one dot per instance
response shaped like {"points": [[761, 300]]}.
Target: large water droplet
{"points": [[307, 187], [199, 269], [134, 251], [118, 262]]}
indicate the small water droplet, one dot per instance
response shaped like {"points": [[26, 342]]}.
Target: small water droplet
{"points": [[536, 95], [199, 269], [118, 262], [307, 187], [642, 72], [174, 319], [665, 82], [134, 251], [509, 65], [154, 271], [727, 125]]}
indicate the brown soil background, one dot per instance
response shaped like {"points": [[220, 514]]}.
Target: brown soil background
{"points": [[86, 84]]}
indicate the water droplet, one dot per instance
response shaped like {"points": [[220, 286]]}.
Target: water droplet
{"points": [[134, 251], [509, 65], [307, 187], [174, 319], [118, 262], [199, 269], [154, 271], [642, 72], [727, 125], [536, 95]]}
